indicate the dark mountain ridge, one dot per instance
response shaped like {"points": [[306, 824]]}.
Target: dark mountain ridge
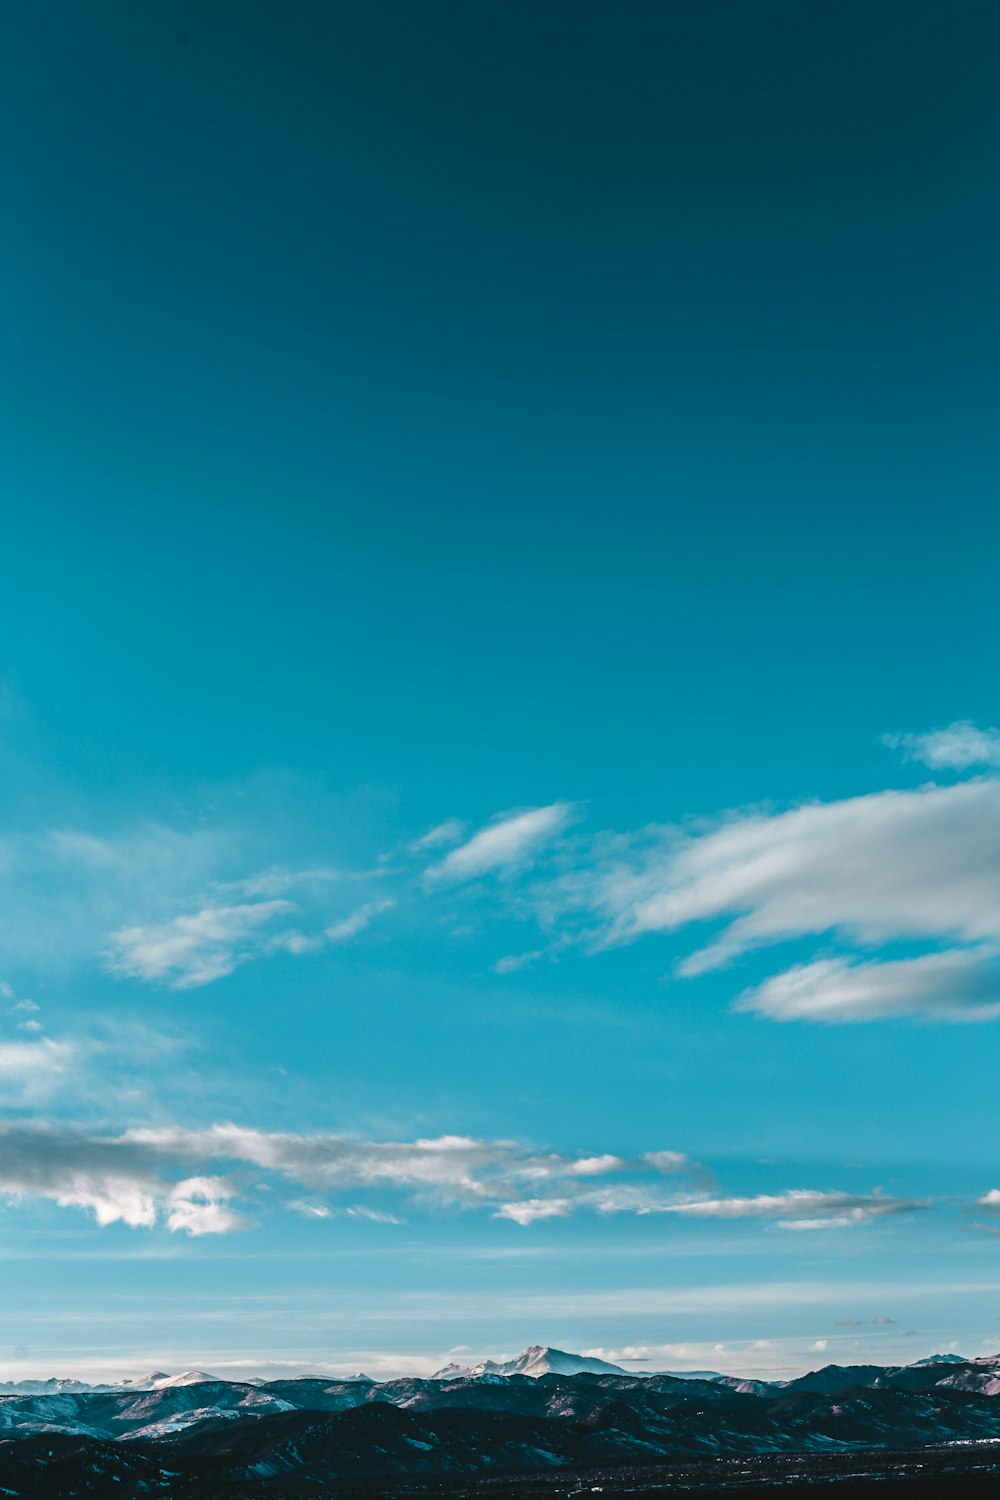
{"points": [[295, 1437]]}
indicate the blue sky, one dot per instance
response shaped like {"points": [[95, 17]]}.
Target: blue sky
{"points": [[500, 818]]}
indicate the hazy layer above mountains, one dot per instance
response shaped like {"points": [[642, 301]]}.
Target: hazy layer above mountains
{"points": [[192, 1434], [536, 1361]]}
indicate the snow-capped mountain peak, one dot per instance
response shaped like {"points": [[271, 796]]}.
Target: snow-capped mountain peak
{"points": [[536, 1360], [186, 1377]]}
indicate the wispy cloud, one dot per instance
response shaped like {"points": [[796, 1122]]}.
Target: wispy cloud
{"points": [[918, 867], [959, 747], [530, 1210], [451, 831], [31, 1071], [199, 1181], [668, 1162], [955, 985], [309, 1210], [277, 880], [340, 932], [886, 866], [456, 1170], [508, 842], [801, 1208], [373, 1215], [173, 906], [198, 947], [510, 963]]}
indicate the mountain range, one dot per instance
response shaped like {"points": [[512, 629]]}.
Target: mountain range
{"points": [[533, 1424]]}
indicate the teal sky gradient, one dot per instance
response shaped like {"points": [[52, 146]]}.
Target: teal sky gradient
{"points": [[570, 429]]}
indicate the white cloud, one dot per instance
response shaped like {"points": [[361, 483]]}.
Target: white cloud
{"points": [[511, 962], [467, 1172], [806, 1208], [32, 1071], [528, 1210], [800, 1226], [375, 1215], [111, 1199], [164, 905], [452, 1169], [133, 1177], [917, 866], [923, 864], [340, 932], [596, 1166], [953, 985], [200, 1205], [111, 1178], [820, 1346], [458, 1170], [78, 1171], [62, 891], [196, 948], [667, 1161], [278, 879], [510, 841], [959, 747], [145, 1176], [442, 834], [202, 946], [24, 1060], [626, 1198], [309, 1210], [990, 1200]]}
